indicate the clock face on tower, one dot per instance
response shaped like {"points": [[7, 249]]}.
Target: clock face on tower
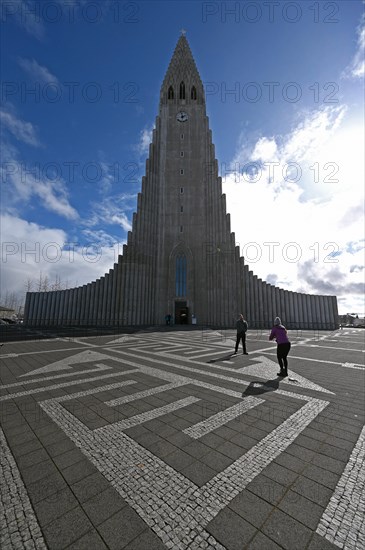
{"points": [[182, 116]]}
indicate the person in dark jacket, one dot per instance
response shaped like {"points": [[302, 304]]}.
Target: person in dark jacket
{"points": [[242, 327], [279, 333]]}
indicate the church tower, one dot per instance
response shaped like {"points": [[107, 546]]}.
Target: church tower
{"points": [[181, 222], [180, 257]]}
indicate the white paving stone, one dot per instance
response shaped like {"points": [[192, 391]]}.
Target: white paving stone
{"points": [[346, 508], [16, 512], [206, 426]]}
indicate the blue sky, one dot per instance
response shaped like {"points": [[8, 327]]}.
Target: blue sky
{"points": [[284, 84]]}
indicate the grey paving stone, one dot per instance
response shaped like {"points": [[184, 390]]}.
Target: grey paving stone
{"points": [[146, 540], [68, 458], [280, 474], [301, 509], [216, 460], [286, 531], [179, 460], [55, 506], [90, 541], [312, 490], [322, 476], [331, 464], [244, 441], [196, 449], [231, 530], [198, 473], [39, 471], [24, 448], [34, 457], [162, 448], [230, 450], [262, 542], [291, 462], [121, 529], [45, 487], [67, 529], [267, 489], [252, 508], [78, 471], [60, 447], [89, 486], [103, 505]]}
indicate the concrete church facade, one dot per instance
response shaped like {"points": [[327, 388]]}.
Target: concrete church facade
{"points": [[180, 258]]}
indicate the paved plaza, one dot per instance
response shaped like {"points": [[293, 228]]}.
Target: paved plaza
{"points": [[165, 440]]}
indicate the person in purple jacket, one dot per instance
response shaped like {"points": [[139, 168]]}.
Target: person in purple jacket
{"points": [[279, 333]]}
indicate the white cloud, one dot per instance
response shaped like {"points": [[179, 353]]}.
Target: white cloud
{"points": [[36, 71], [112, 211], [302, 222], [145, 140], [357, 68], [21, 130], [22, 185], [29, 249], [26, 14]]}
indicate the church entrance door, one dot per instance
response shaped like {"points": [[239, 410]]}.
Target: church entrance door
{"points": [[181, 313]]}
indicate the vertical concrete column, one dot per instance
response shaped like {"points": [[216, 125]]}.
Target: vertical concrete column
{"points": [[327, 320], [277, 302], [66, 307], [296, 310], [251, 299], [43, 308], [323, 313], [282, 306], [82, 321], [309, 311], [260, 303], [105, 298], [119, 299], [60, 310], [248, 294], [96, 301], [301, 311], [29, 308], [123, 289], [78, 292], [305, 312], [291, 309], [317, 323], [269, 314], [51, 308], [91, 320], [273, 304], [113, 296], [335, 311], [286, 307]]}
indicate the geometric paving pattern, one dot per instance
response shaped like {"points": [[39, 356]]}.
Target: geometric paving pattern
{"points": [[193, 448]]}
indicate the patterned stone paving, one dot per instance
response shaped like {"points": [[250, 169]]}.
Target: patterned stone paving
{"points": [[187, 447]]}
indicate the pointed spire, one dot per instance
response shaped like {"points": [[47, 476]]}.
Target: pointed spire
{"points": [[182, 67]]}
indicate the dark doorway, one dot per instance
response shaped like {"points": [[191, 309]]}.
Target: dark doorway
{"points": [[181, 313]]}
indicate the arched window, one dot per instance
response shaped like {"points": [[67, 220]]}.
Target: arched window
{"points": [[170, 93], [182, 90], [180, 278], [193, 92]]}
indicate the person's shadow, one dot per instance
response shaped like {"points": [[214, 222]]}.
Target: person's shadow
{"points": [[225, 358], [256, 387]]}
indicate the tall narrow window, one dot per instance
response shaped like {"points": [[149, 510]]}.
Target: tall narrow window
{"points": [[181, 136], [180, 278], [193, 92], [182, 90], [181, 153], [170, 93], [181, 171], [181, 190]]}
